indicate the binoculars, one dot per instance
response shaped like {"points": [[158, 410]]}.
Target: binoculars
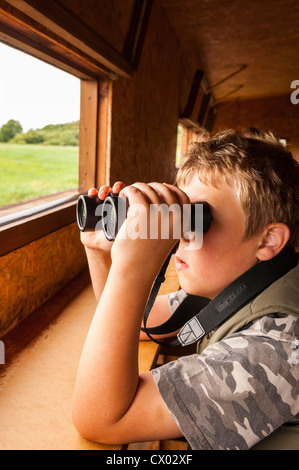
{"points": [[108, 215]]}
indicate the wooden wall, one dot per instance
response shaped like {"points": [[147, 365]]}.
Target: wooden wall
{"points": [[145, 110], [32, 274], [109, 18], [276, 114]]}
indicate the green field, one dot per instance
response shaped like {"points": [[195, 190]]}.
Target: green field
{"points": [[29, 171]]}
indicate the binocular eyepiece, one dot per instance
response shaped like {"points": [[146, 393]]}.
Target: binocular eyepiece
{"points": [[108, 215]]}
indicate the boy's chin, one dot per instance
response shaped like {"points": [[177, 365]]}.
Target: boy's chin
{"points": [[191, 290], [194, 290]]}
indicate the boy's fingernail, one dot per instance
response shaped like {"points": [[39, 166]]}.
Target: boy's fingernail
{"points": [[102, 195], [92, 192]]}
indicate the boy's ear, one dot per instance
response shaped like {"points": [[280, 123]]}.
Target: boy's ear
{"points": [[273, 240]]}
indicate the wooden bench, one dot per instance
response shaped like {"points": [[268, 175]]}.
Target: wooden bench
{"points": [[41, 361]]}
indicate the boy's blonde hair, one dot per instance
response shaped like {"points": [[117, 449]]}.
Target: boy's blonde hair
{"points": [[263, 173]]}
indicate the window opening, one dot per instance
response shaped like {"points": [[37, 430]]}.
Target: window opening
{"points": [[39, 133], [185, 136]]}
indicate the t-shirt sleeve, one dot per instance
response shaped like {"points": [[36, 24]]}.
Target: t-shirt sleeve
{"points": [[175, 299], [237, 392]]}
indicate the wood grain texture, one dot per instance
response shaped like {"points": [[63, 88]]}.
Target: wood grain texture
{"points": [[32, 274], [218, 36], [276, 114], [62, 22], [145, 110]]}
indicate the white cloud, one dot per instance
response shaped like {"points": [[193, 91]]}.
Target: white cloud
{"points": [[35, 93]]}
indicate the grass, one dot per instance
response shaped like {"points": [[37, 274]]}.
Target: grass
{"points": [[29, 171]]}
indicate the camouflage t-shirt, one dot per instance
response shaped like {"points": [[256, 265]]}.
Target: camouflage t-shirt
{"points": [[238, 390]]}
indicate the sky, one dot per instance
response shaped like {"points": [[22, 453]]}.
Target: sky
{"points": [[35, 93]]}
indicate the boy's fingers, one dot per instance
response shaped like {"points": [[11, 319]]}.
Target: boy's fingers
{"points": [[104, 191], [170, 194], [118, 186], [182, 196], [150, 193], [136, 194], [165, 195], [156, 193], [92, 192]]}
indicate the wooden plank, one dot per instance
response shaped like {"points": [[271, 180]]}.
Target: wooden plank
{"points": [[20, 233], [27, 41], [203, 109], [137, 31], [104, 133], [210, 119], [194, 91], [53, 16], [147, 355], [88, 134]]}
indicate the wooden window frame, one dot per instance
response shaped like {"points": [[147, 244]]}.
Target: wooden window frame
{"points": [[93, 162], [51, 33], [186, 139], [95, 103]]}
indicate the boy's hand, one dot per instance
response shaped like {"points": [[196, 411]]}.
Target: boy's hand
{"points": [[96, 240], [141, 246]]}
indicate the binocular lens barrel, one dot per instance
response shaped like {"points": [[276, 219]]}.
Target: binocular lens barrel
{"points": [[112, 217], [86, 213]]}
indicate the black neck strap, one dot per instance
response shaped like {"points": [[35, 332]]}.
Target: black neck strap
{"points": [[197, 316]]}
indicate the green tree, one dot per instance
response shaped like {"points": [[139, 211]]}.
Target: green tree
{"points": [[33, 137], [9, 130]]}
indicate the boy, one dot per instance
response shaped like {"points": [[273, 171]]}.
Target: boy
{"points": [[241, 387]]}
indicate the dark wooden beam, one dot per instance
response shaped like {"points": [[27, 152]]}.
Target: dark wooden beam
{"points": [[203, 109], [19, 40], [194, 89], [52, 15], [137, 31]]}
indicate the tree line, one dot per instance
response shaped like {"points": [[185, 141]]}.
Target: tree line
{"points": [[51, 134]]}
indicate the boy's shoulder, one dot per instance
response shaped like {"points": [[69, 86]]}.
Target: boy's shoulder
{"points": [[271, 329], [244, 377], [279, 326]]}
